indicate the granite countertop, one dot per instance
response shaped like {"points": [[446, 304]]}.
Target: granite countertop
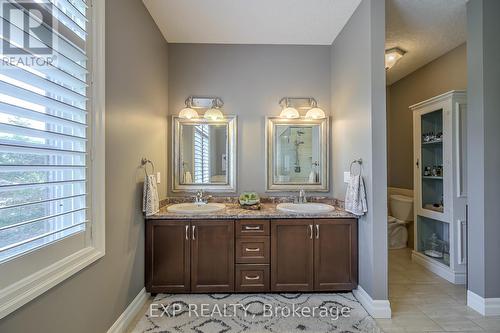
{"points": [[234, 211]]}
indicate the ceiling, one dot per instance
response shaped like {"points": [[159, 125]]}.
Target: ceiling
{"points": [[426, 29], [302, 22]]}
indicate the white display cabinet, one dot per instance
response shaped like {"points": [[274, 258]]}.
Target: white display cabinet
{"points": [[440, 155]]}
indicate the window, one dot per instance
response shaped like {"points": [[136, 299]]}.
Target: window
{"points": [[202, 154], [49, 125]]}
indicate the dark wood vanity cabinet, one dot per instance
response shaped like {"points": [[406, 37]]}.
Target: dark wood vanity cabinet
{"points": [[260, 255], [167, 261], [335, 254], [314, 255], [212, 256], [292, 255], [183, 256]]}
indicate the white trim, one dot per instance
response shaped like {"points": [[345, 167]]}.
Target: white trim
{"points": [[380, 309], [438, 98], [26, 289], [438, 268], [98, 135], [23, 291], [485, 306], [125, 319]]}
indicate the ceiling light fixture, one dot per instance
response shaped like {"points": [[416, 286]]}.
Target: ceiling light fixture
{"points": [[392, 56]]}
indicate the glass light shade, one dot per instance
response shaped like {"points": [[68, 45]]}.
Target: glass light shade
{"points": [[392, 56], [214, 114], [188, 113], [289, 113], [315, 113]]}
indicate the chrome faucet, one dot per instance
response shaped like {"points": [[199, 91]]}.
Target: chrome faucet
{"points": [[199, 198], [302, 196]]}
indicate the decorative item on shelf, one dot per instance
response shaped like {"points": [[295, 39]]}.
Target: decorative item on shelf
{"points": [[437, 207], [427, 171], [434, 171], [290, 105], [250, 200], [211, 104], [439, 171], [434, 247]]}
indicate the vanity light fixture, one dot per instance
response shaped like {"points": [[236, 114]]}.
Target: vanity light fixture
{"points": [[211, 104], [214, 114], [315, 112], [188, 112], [392, 56], [290, 111]]}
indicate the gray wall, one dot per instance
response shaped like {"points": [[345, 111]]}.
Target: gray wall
{"points": [[448, 72], [359, 131], [136, 107], [483, 54], [250, 79]]}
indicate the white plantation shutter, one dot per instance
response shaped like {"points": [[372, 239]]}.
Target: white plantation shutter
{"points": [[44, 131], [201, 154]]}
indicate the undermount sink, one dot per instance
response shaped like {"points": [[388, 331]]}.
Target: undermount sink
{"points": [[305, 208], [196, 208]]}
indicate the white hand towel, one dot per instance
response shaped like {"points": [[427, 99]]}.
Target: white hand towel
{"points": [[312, 177], [355, 198], [150, 200], [188, 179]]}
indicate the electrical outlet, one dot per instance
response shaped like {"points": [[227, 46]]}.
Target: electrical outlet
{"points": [[158, 177], [347, 176]]}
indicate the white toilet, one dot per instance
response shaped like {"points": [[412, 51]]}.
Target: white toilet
{"points": [[402, 213]]}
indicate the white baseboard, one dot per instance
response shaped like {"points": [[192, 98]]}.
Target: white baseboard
{"points": [[380, 309], [121, 324], [438, 268], [485, 306]]}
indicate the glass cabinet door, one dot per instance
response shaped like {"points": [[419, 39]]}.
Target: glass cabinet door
{"points": [[432, 169]]}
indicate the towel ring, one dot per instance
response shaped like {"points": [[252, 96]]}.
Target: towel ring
{"points": [[144, 164], [358, 162]]}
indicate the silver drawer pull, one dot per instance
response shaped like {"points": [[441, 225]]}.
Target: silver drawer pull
{"points": [[256, 277], [252, 249], [252, 228]]}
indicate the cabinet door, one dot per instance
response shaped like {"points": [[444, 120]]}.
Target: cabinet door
{"points": [[292, 255], [335, 254], [167, 256], [212, 256]]}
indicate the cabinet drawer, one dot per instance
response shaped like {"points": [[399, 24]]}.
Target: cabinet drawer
{"points": [[253, 250], [252, 278], [252, 228]]}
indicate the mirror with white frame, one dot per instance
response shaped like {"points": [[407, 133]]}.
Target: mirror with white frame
{"points": [[204, 154], [297, 154]]}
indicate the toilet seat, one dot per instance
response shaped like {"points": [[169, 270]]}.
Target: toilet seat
{"points": [[392, 219]]}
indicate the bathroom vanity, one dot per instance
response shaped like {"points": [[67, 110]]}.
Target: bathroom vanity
{"points": [[245, 251]]}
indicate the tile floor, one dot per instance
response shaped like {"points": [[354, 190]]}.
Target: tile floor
{"points": [[423, 302]]}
